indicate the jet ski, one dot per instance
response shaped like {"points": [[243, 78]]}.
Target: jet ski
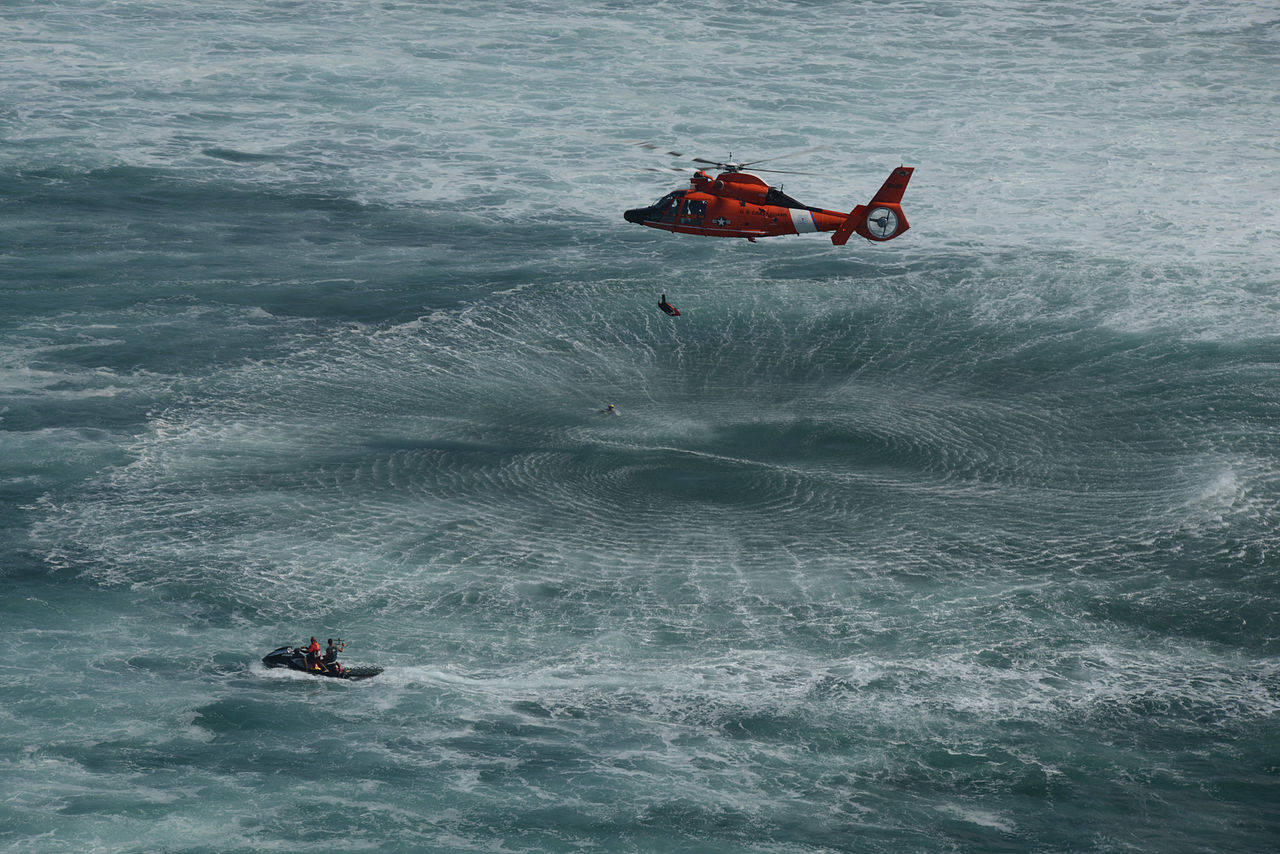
{"points": [[295, 658]]}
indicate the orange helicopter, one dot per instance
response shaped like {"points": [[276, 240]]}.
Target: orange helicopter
{"points": [[736, 204]]}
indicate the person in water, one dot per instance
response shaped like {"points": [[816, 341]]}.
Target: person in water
{"points": [[313, 655], [609, 410]]}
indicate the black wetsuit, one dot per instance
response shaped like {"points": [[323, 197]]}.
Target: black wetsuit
{"points": [[330, 660]]}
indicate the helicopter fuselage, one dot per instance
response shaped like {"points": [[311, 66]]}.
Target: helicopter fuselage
{"points": [[737, 204]]}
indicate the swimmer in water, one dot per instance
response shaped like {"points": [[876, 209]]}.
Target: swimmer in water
{"points": [[609, 410]]}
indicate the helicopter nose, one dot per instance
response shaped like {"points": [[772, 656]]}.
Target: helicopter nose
{"points": [[635, 215]]}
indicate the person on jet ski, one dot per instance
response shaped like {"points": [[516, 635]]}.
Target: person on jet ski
{"points": [[313, 655], [330, 660]]}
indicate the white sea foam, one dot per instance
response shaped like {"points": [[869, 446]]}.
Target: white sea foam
{"points": [[893, 547]]}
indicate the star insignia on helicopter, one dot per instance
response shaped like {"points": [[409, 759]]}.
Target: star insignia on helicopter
{"points": [[720, 221]]}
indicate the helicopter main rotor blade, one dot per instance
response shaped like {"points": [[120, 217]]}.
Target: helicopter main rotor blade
{"points": [[781, 156], [653, 147], [729, 166], [781, 171]]}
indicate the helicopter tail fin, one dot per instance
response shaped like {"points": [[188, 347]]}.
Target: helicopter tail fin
{"points": [[881, 219], [852, 221], [893, 188]]}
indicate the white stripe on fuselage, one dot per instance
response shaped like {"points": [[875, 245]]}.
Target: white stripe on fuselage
{"points": [[802, 220]]}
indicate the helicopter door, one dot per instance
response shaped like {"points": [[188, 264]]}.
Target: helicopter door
{"points": [[694, 212]]}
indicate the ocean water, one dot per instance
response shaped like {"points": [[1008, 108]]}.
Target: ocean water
{"points": [[963, 542]]}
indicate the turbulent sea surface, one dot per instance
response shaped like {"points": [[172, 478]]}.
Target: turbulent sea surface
{"points": [[963, 542]]}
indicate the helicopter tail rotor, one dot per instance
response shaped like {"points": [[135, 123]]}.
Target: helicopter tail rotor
{"points": [[882, 218]]}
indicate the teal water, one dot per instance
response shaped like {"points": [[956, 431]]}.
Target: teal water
{"points": [[963, 542]]}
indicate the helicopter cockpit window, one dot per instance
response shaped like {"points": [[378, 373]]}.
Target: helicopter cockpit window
{"points": [[663, 203], [665, 208], [694, 211]]}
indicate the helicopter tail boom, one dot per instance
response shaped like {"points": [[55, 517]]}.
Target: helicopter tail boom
{"points": [[881, 219]]}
